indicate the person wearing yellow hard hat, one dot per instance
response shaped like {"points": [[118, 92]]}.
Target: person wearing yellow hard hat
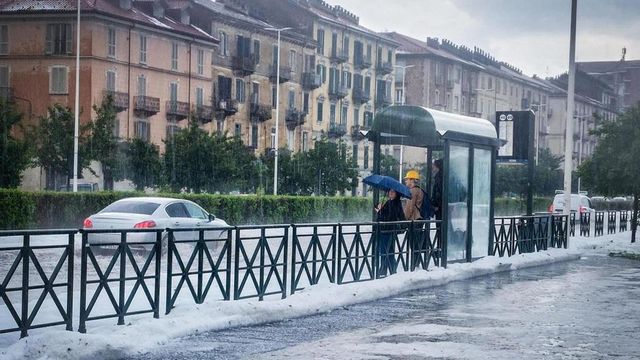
{"points": [[413, 206]]}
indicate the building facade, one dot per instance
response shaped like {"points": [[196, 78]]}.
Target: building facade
{"points": [[622, 76]]}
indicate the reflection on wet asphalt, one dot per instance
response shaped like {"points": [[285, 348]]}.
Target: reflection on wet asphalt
{"points": [[586, 309]]}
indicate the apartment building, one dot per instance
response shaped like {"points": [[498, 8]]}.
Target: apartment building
{"points": [[147, 54], [350, 75], [622, 76]]}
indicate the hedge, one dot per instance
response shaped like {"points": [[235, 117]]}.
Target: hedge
{"points": [[20, 209]]}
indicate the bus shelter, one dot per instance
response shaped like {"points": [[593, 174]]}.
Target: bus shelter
{"points": [[468, 146]]}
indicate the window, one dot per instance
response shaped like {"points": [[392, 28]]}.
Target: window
{"points": [[142, 86], [255, 92], [320, 40], [456, 99], [174, 56], [504, 88], [200, 62], [355, 154], [273, 97], [274, 54], [497, 86], [481, 106], [273, 138], [4, 39], [111, 42], [322, 71], [111, 80], [345, 45], [398, 99], [356, 117], [448, 103], [240, 95], [320, 111], [366, 157], [482, 82], [224, 44], [437, 98], [464, 104], [458, 75], [490, 83], [305, 141], [511, 90], [4, 77], [143, 49], [177, 210], [292, 60], [199, 96], [58, 80], [305, 102], [291, 99], [254, 135], [195, 212], [332, 113], [238, 130], [173, 92], [389, 56], [334, 44], [344, 114], [142, 130], [58, 41], [291, 140], [256, 49]]}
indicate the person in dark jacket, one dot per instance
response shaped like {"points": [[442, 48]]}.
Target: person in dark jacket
{"points": [[390, 211], [436, 197]]}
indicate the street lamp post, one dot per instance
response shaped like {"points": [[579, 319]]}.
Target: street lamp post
{"points": [[76, 127], [275, 162], [402, 101]]}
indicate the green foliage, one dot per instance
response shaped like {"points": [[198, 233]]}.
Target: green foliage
{"points": [[15, 152], [613, 169], [103, 143], [389, 166], [54, 145], [196, 161], [511, 180], [142, 163]]}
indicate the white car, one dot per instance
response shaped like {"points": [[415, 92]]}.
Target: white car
{"points": [[579, 203], [153, 213]]}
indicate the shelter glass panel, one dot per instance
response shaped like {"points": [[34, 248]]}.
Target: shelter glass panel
{"points": [[458, 193], [481, 202]]}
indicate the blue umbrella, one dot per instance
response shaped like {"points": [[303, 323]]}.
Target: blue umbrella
{"points": [[386, 183]]}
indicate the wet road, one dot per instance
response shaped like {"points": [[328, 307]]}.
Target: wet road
{"points": [[586, 309]]}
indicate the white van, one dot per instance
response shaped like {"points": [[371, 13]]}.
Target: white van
{"points": [[579, 203]]}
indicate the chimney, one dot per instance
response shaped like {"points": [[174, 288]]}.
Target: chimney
{"points": [[125, 4], [185, 17]]}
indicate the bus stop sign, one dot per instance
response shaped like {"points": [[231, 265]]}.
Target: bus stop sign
{"points": [[517, 129]]}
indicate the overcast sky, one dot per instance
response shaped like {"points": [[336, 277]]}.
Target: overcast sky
{"points": [[532, 35]]}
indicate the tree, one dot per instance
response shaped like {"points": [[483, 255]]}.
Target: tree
{"points": [[389, 166], [15, 152], [512, 179], [103, 142], [54, 145], [142, 165], [613, 169]]}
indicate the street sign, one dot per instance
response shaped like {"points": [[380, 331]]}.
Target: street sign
{"points": [[516, 128]]}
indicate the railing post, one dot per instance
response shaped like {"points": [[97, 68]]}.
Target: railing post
{"points": [[156, 288], [121, 282], [24, 323], [70, 258], [339, 241], [83, 284], [284, 262], [314, 256], [261, 243], [200, 249], [333, 241], [170, 246], [236, 271], [375, 250], [294, 243], [549, 231]]}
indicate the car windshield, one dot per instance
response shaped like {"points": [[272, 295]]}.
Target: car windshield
{"points": [[132, 207]]}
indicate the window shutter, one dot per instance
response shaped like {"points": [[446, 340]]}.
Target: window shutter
{"points": [[68, 38], [48, 49]]}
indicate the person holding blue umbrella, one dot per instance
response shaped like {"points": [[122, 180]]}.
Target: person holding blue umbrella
{"points": [[390, 211]]}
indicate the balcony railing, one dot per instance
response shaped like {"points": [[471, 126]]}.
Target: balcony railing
{"points": [[260, 112], [337, 130], [177, 109], [360, 96], [244, 65], [226, 106], [339, 56], [338, 92], [146, 105], [384, 68], [120, 99], [6, 94], [362, 62], [355, 132], [285, 74], [311, 80], [294, 118], [203, 113]]}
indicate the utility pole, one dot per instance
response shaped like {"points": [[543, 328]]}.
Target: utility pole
{"points": [[568, 148]]}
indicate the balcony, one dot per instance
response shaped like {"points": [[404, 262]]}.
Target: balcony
{"points": [[337, 130], [360, 96], [384, 68], [146, 105], [362, 62], [294, 118], [383, 100], [259, 112], [120, 99], [244, 65], [338, 92], [177, 109], [339, 56], [204, 113], [6, 94], [311, 80], [226, 106], [285, 74]]}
